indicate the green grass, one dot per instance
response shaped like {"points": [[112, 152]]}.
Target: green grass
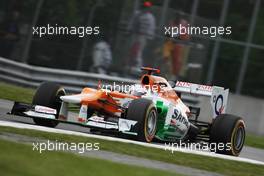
{"points": [[14, 93], [255, 141], [19, 159], [221, 166]]}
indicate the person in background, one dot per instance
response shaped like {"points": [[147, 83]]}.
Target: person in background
{"points": [[9, 34], [102, 57], [142, 27], [175, 53]]}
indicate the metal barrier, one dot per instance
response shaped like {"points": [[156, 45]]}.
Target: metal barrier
{"points": [[74, 81]]}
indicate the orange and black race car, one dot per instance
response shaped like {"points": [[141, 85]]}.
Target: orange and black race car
{"points": [[151, 109]]}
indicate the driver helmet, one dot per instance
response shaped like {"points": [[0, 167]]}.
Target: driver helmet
{"points": [[138, 90]]}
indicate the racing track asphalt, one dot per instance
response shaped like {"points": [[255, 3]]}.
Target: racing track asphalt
{"points": [[5, 106]]}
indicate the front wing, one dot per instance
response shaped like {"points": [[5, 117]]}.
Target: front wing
{"points": [[36, 111]]}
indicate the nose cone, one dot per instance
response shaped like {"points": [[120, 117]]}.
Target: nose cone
{"points": [[92, 96], [87, 95]]}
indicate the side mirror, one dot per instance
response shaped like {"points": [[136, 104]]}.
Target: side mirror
{"points": [[172, 83]]}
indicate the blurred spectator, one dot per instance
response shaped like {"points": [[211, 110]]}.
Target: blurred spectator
{"points": [[175, 54], [9, 34], [142, 27], [102, 57]]}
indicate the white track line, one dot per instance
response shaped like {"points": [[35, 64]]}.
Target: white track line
{"points": [[60, 131]]}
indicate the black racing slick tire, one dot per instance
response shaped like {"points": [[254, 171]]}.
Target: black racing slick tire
{"points": [[144, 112], [228, 133], [48, 94]]}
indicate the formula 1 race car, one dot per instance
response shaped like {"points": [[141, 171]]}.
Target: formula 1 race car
{"points": [[152, 110]]}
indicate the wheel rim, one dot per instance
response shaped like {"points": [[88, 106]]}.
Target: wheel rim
{"points": [[151, 122], [57, 102], [59, 93], [239, 137]]}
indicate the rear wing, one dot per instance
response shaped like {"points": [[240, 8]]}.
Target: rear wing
{"points": [[218, 95]]}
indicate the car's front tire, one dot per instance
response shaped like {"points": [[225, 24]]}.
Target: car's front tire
{"points": [[48, 94], [228, 130], [144, 112]]}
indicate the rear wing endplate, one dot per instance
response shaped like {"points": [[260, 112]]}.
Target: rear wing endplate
{"points": [[218, 95]]}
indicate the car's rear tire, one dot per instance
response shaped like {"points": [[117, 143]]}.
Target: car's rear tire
{"points": [[143, 111], [48, 94], [228, 130]]}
